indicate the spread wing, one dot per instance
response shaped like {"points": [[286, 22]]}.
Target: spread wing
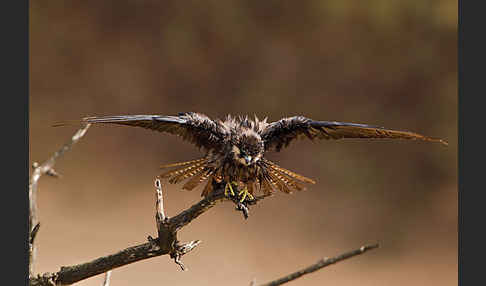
{"points": [[194, 127], [280, 133]]}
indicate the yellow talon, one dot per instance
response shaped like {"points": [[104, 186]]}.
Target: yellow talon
{"points": [[245, 194], [228, 186]]}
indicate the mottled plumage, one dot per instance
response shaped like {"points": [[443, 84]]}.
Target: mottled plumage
{"points": [[235, 146]]}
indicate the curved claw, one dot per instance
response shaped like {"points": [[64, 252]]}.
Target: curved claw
{"points": [[228, 187], [245, 194]]}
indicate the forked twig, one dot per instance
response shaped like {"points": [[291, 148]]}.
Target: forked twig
{"points": [[167, 235], [166, 243], [46, 168]]}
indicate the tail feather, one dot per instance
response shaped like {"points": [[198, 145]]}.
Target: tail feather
{"points": [[265, 186], [293, 184], [289, 173], [279, 183], [177, 172], [196, 180], [270, 182], [181, 171], [189, 173], [276, 177], [196, 170], [182, 163], [285, 181], [271, 177], [250, 187], [208, 189]]}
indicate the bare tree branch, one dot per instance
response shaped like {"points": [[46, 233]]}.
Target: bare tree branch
{"points": [[320, 264], [168, 236], [32, 236], [167, 229], [166, 244], [45, 168], [106, 282], [159, 203]]}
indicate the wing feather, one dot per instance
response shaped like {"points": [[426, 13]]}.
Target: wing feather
{"points": [[194, 127], [279, 134]]}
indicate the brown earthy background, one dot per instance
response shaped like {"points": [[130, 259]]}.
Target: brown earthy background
{"points": [[382, 62]]}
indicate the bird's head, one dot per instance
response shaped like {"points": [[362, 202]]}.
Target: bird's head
{"points": [[248, 149]]}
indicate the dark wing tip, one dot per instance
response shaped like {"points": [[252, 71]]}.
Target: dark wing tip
{"points": [[66, 123], [317, 123], [438, 140], [444, 143], [59, 124], [117, 118], [98, 119]]}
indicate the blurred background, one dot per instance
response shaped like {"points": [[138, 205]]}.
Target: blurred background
{"points": [[381, 62]]}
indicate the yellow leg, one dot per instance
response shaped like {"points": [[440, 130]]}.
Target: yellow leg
{"points": [[230, 188], [245, 194]]}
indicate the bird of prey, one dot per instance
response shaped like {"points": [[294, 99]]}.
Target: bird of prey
{"points": [[235, 148]]}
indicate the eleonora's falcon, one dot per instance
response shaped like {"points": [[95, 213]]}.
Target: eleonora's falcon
{"points": [[235, 147]]}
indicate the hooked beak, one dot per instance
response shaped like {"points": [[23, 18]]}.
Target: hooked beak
{"points": [[248, 160]]}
